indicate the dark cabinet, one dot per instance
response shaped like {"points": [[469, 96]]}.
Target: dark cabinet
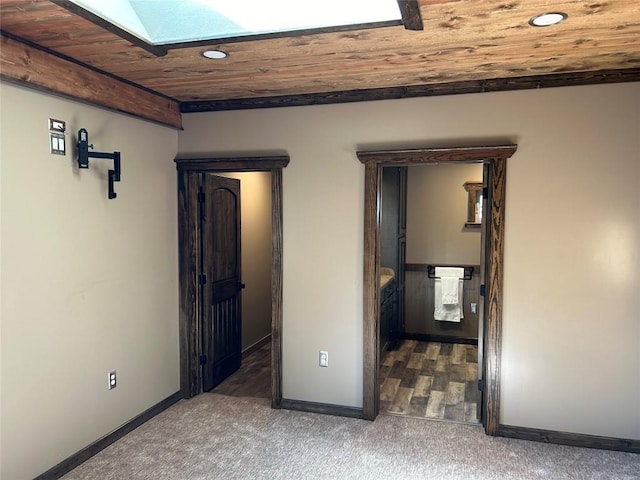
{"points": [[388, 316], [392, 254]]}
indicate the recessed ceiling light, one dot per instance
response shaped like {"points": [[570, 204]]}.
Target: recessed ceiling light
{"points": [[547, 19], [215, 54]]}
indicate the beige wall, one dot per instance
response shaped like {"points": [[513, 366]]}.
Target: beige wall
{"points": [[255, 211], [571, 331], [437, 212], [88, 284]]}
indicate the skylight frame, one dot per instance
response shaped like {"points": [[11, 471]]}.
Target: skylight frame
{"points": [[285, 34], [161, 49]]}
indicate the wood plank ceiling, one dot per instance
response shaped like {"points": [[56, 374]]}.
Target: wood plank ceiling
{"points": [[466, 45]]}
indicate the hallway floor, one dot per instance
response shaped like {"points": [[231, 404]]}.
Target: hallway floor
{"points": [[431, 380], [418, 379], [253, 378]]}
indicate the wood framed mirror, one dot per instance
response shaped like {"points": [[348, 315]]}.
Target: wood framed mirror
{"points": [[474, 204]]}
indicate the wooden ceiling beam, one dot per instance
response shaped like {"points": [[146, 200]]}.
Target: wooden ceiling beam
{"points": [[34, 67], [410, 12]]}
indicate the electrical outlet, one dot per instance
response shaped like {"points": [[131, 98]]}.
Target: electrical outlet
{"points": [[474, 307], [112, 380], [324, 358]]}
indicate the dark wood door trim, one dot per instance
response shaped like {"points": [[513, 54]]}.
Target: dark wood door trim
{"points": [[371, 305], [190, 295], [494, 256], [420, 156], [496, 157], [276, 287], [188, 253]]}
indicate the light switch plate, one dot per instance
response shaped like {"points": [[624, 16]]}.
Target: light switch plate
{"points": [[57, 143], [57, 125]]}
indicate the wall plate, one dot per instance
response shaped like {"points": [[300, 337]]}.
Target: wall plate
{"points": [[57, 125], [57, 144]]}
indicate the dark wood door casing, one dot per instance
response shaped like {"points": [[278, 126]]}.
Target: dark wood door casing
{"points": [[495, 157], [189, 251]]}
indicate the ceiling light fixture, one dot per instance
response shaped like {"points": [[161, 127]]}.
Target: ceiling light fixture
{"points": [[547, 19], [215, 54]]}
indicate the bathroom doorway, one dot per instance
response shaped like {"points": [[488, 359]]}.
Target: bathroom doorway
{"points": [[494, 157], [431, 227]]}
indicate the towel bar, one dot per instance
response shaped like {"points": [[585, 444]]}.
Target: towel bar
{"points": [[468, 272]]}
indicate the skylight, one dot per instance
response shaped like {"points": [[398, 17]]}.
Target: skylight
{"points": [[165, 22]]}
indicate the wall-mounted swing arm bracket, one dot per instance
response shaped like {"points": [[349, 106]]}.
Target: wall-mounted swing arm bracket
{"points": [[84, 154]]}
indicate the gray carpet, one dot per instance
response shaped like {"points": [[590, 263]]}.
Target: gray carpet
{"points": [[216, 437]]}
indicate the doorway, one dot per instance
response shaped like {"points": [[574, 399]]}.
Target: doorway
{"points": [[253, 377], [495, 159], [191, 318], [432, 370]]}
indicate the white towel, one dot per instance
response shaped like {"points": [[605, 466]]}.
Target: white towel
{"points": [[448, 294], [443, 312], [450, 277], [449, 290]]}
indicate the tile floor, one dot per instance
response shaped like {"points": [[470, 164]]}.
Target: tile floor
{"points": [[430, 380]]}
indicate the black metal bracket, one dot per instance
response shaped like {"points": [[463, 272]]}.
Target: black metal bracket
{"points": [[84, 154]]}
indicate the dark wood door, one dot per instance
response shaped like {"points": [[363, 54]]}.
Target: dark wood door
{"points": [[221, 306]]}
